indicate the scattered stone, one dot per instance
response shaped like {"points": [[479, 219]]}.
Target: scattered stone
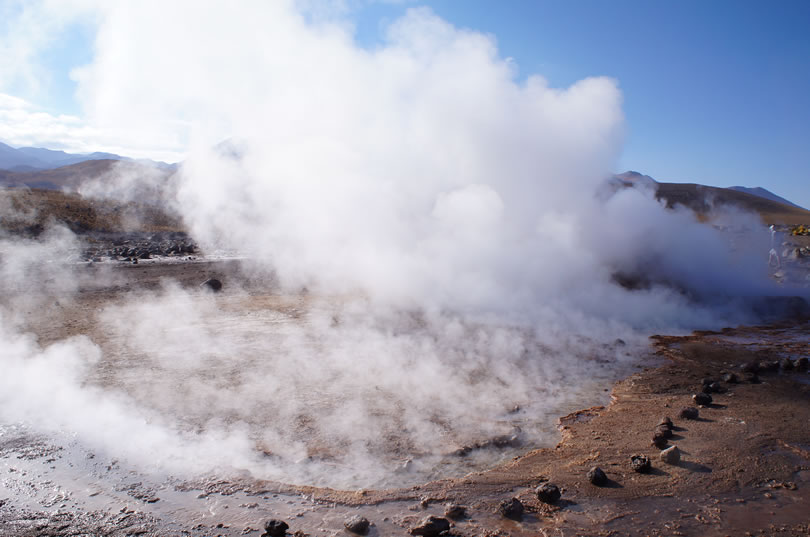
{"points": [[548, 493], [730, 378], [357, 524], [666, 422], [787, 364], [666, 431], [659, 439], [213, 284], [702, 399], [455, 511], [431, 526], [716, 387], [275, 528], [769, 366], [753, 378], [511, 508], [640, 463], [689, 413], [597, 477], [671, 455], [802, 363], [750, 367]]}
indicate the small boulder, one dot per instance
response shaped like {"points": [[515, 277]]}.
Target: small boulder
{"points": [[689, 413], [787, 364], [664, 430], [730, 378], [716, 387], [671, 455], [454, 511], [802, 363], [357, 524], [213, 284], [511, 508], [597, 477], [640, 463], [275, 528], [750, 367], [753, 378], [431, 526], [666, 422], [548, 493], [702, 399], [659, 439]]}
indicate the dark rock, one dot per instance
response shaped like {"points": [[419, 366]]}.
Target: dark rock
{"points": [[640, 463], [135, 261], [659, 439], [511, 508], [275, 528], [707, 381], [787, 364], [769, 366], [750, 367], [716, 387], [666, 431], [702, 399], [357, 524], [802, 363], [548, 493], [213, 284], [689, 413], [145, 255], [730, 378], [431, 526], [455, 511], [597, 477], [666, 422], [753, 378]]}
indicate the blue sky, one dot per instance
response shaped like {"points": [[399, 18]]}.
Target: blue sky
{"points": [[715, 92]]}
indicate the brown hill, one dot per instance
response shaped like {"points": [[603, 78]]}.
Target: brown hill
{"points": [[702, 199], [29, 211]]}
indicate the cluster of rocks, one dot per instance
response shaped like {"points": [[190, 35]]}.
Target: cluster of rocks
{"points": [[134, 246]]}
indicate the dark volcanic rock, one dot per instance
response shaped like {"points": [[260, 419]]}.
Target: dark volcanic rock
{"points": [[802, 363], [689, 413], [511, 508], [548, 493], [597, 477], [640, 463], [659, 439], [702, 399], [213, 284], [666, 422], [716, 387], [455, 511], [431, 526], [357, 524], [787, 364], [730, 378], [664, 430], [275, 528]]}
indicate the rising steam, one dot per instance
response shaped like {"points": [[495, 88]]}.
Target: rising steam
{"points": [[440, 210]]}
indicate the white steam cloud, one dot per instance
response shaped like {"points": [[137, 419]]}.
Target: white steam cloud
{"points": [[440, 211]]}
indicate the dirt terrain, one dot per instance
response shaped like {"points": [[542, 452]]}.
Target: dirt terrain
{"points": [[744, 468]]}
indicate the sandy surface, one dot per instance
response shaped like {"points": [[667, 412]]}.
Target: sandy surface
{"points": [[745, 466]]}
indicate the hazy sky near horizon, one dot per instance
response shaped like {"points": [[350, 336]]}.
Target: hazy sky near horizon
{"points": [[713, 92]]}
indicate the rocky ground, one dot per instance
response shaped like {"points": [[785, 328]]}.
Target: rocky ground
{"points": [[743, 465]]}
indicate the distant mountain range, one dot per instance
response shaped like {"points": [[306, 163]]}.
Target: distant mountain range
{"points": [[29, 159]]}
